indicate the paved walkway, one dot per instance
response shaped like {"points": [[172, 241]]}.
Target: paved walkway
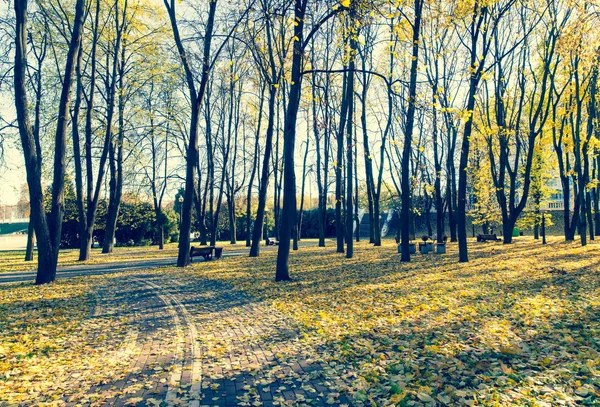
{"points": [[103, 268], [202, 343]]}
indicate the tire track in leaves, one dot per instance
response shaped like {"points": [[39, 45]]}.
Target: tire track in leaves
{"points": [[180, 314]]}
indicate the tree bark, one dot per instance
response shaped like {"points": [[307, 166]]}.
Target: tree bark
{"points": [[264, 179], [288, 218], [408, 132], [339, 198], [116, 182], [349, 137], [254, 168], [30, 242]]}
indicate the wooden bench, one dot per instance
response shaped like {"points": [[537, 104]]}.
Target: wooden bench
{"points": [[208, 252], [271, 241], [485, 238], [411, 237]]}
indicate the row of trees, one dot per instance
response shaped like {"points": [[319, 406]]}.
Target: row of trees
{"points": [[455, 107]]}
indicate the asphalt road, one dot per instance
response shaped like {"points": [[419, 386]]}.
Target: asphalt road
{"points": [[104, 268]]}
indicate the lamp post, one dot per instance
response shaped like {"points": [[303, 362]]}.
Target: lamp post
{"points": [[543, 227], [180, 206]]}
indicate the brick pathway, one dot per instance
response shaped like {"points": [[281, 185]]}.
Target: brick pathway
{"points": [[201, 343]]}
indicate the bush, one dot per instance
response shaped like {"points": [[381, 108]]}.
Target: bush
{"points": [[144, 242], [310, 224], [136, 224]]}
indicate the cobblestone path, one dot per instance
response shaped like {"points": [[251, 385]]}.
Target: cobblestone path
{"points": [[204, 344]]}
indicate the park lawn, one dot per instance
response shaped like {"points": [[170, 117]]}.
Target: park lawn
{"points": [[518, 325]]}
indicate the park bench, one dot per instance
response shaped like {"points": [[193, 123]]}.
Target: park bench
{"points": [[411, 237], [485, 238], [208, 252], [271, 241]]}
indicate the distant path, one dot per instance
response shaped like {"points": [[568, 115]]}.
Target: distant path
{"points": [[103, 268]]}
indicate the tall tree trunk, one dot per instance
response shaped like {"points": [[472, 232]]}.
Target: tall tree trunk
{"points": [[93, 194], [439, 201], [116, 182], [254, 168], [321, 199], [116, 193], [277, 180], [257, 231], [408, 132], [355, 198], [596, 199], [30, 242], [47, 229], [478, 18], [451, 193], [370, 182], [81, 215], [232, 218], [288, 218], [349, 138], [339, 198], [326, 146], [299, 227]]}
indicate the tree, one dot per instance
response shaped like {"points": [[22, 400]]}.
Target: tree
{"points": [[196, 99], [409, 128], [516, 124], [483, 19], [288, 218], [47, 228]]}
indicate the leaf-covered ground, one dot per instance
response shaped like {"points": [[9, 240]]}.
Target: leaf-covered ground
{"points": [[11, 261], [518, 325]]}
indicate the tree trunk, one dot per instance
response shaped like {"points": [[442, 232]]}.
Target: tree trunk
{"points": [[254, 168], [183, 257], [114, 203], [30, 242], [84, 253], [508, 225], [350, 140], [93, 194], [321, 198], [339, 227], [264, 179], [596, 194], [479, 16], [288, 218], [232, 219], [408, 133], [116, 181], [299, 227]]}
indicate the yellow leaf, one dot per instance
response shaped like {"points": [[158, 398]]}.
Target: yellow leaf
{"points": [[507, 370], [511, 349]]}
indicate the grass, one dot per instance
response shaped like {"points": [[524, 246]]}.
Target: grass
{"points": [[517, 325]]}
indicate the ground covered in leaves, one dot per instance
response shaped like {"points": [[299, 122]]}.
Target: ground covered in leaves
{"points": [[518, 325], [13, 260]]}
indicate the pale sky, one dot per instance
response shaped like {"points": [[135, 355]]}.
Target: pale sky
{"points": [[12, 170]]}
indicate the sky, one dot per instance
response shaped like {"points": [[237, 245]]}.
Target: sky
{"points": [[12, 168]]}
